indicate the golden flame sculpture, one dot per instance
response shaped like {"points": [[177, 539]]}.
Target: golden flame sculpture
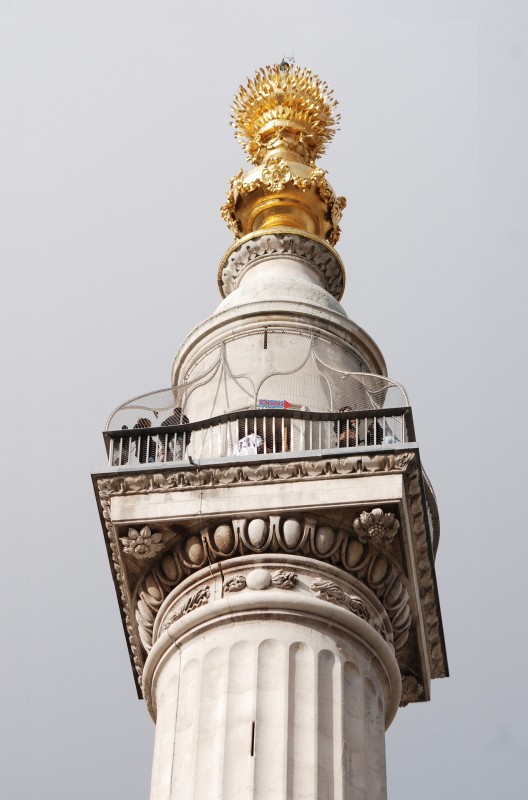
{"points": [[284, 107], [284, 117]]}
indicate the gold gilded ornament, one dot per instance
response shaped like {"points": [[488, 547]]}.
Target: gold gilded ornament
{"points": [[284, 108], [284, 117], [276, 174]]}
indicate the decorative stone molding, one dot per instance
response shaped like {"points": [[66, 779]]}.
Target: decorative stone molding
{"points": [[376, 526], [116, 553], [316, 253], [248, 575], [147, 483], [327, 590], [259, 579], [309, 619]]}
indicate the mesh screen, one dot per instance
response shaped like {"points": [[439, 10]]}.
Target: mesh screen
{"points": [[283, 366]]}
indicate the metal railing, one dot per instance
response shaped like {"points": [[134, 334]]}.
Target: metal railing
{"points": [[258, 432]]}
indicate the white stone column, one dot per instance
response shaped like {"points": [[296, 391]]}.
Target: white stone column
{"points": [[263, 689]]}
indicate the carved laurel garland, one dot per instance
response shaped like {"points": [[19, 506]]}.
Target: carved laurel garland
{"points": [[199, 598], [279, 579], [315, 253], [332, 593]]}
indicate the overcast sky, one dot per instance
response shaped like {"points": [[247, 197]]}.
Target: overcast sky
{"points": [[115, 154]]}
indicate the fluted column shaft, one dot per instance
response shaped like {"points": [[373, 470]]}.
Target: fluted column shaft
{"points": [[270, 695]]}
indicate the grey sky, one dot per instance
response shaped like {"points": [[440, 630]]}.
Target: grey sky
{"points": [[115, 154]]}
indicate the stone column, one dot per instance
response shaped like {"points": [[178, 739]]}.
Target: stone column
{"points": [[271, 677]]}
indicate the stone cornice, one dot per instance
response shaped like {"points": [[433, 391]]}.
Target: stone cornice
{"points": [[207, 476]]}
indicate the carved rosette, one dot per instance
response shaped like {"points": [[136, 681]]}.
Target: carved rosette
{"points": [[142, 544], [376, 526]]}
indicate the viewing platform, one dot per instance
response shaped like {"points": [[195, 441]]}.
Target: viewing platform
{"points": [[266, 434]]}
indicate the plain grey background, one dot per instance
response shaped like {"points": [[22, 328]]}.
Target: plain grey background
{"points": [[114, 158]]}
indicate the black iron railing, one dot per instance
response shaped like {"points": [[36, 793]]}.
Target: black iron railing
{"points": [[258, 432]]}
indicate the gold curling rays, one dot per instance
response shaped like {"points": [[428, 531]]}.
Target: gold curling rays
{"points": [[289, 108]]}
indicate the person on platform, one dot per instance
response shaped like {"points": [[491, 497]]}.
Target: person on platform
{"points": [[374, 433], [345, 429], [143, 445], [121, 449], [171, 444]]}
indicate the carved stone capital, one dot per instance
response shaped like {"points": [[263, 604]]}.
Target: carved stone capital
{"points": [[159, 537], [289, 595], [272, 587]]}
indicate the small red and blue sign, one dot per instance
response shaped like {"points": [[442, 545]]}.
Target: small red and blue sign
{"points": [[274, 404]]}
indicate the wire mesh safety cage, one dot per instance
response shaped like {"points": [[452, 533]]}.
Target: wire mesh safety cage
{"points": [[271, 368]]}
